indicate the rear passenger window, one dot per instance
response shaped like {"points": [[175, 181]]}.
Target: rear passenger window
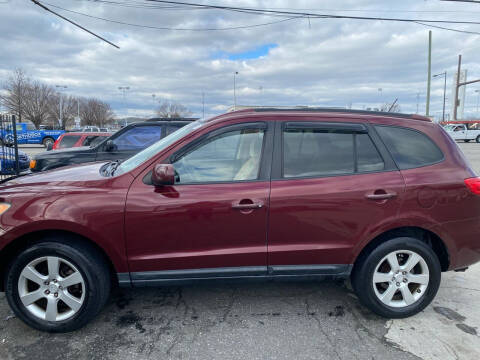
{"points": [[311, 152], [318, 152], [68, 141], [368, 158], [409, 148]]}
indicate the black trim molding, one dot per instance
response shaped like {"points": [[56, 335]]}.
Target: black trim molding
{"points": [[274, 272]]}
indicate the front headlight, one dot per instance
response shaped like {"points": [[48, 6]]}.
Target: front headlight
{"points": [[4, 207]]}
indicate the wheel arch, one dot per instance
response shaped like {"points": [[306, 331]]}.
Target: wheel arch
{"points": [[427, 236], [16, 246]]}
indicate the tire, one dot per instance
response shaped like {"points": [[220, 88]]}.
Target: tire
{"points": [[401, 305], [48, 140], [478, 139], [75, 258]]}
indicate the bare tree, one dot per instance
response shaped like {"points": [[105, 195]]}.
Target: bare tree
{"points": [[69, 109], [170, 109], [394, 108], [36, 102], [95, 112], [15, 88]]}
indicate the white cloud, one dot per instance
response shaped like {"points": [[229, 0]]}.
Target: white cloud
{"points": [[318, 62]]}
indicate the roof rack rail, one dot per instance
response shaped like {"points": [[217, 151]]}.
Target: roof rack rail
{"points": [[348, 111]]}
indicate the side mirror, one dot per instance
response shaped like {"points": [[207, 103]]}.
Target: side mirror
{"points": [[109, 145], [49, 146], [163, 174]]}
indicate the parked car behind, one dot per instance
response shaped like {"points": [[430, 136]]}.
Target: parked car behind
{"points": [[121, 145], [387, 200], [463, 132], [77, 139], [7, 161]]}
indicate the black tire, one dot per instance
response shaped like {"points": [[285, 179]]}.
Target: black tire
{"points": [[362, 277], [48, 140], [478, 139], [89, 262]]}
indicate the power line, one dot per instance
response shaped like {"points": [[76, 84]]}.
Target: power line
{"points": [[72, 22], [311, 15], [465, 1], [172, 28], [449, 29], [141, 5]]}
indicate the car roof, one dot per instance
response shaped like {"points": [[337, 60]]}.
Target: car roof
{"points": [[89, 133], [319, 112]]}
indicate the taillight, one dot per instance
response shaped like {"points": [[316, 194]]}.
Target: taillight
{"points": [[55, 144], [473, 184]]}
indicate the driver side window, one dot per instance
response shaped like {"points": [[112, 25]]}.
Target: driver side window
{"points": [[231, 156]]}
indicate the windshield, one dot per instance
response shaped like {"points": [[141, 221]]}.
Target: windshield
{"points": [[154, 149]]}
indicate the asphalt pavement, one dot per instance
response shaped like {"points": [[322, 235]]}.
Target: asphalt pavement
{"points": [[308, 320]]}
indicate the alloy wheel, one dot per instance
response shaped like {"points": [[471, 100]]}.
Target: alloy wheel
{"points": [[400, 278], [51, 288]]}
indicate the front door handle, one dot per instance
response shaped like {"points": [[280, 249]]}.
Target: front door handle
{"points": [[247, 204], [381, 195]]}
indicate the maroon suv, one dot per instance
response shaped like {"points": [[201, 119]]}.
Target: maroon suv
{"points": [[385, 199]]}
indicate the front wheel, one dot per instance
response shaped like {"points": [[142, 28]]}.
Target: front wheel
{"points": [[57, 287], [478, 139], [398, 279]]}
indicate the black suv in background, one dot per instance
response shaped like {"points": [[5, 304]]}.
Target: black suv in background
{"points": [[121, 145]]}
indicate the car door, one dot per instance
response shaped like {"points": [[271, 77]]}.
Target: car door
{"points": [[331, 185], [129, 142], [212, 222], [459, 132]]}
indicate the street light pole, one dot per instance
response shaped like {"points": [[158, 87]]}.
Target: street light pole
{"points": [[123, 89], [444, 91], [61, 101], [478, 101], [235, 91]]}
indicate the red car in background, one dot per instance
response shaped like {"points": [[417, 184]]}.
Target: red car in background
{"points": [[77, 139]]}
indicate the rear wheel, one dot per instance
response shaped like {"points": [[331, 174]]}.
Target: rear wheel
{"points": [[398, 279], [57, 287], [478, 139], [48, 141]]}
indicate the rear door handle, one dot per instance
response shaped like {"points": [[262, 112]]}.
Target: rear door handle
{"points": [[243, 205], [381, 196]]}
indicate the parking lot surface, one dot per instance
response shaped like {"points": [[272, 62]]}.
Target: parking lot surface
{"points": [[309, 320]]}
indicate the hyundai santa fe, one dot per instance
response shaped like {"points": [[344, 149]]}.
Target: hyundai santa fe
{"points": [[387, 200]]}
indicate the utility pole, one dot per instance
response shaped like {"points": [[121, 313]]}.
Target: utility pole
{"points": [[427, 112], [234, 91], [444, 91], [61, 101], [457, 86]]}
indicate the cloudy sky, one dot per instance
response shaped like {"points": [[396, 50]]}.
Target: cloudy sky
{"points": [[302, 61]]}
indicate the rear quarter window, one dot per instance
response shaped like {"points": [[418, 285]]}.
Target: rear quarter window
{"points": [[409, 148], [68, 141]]}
